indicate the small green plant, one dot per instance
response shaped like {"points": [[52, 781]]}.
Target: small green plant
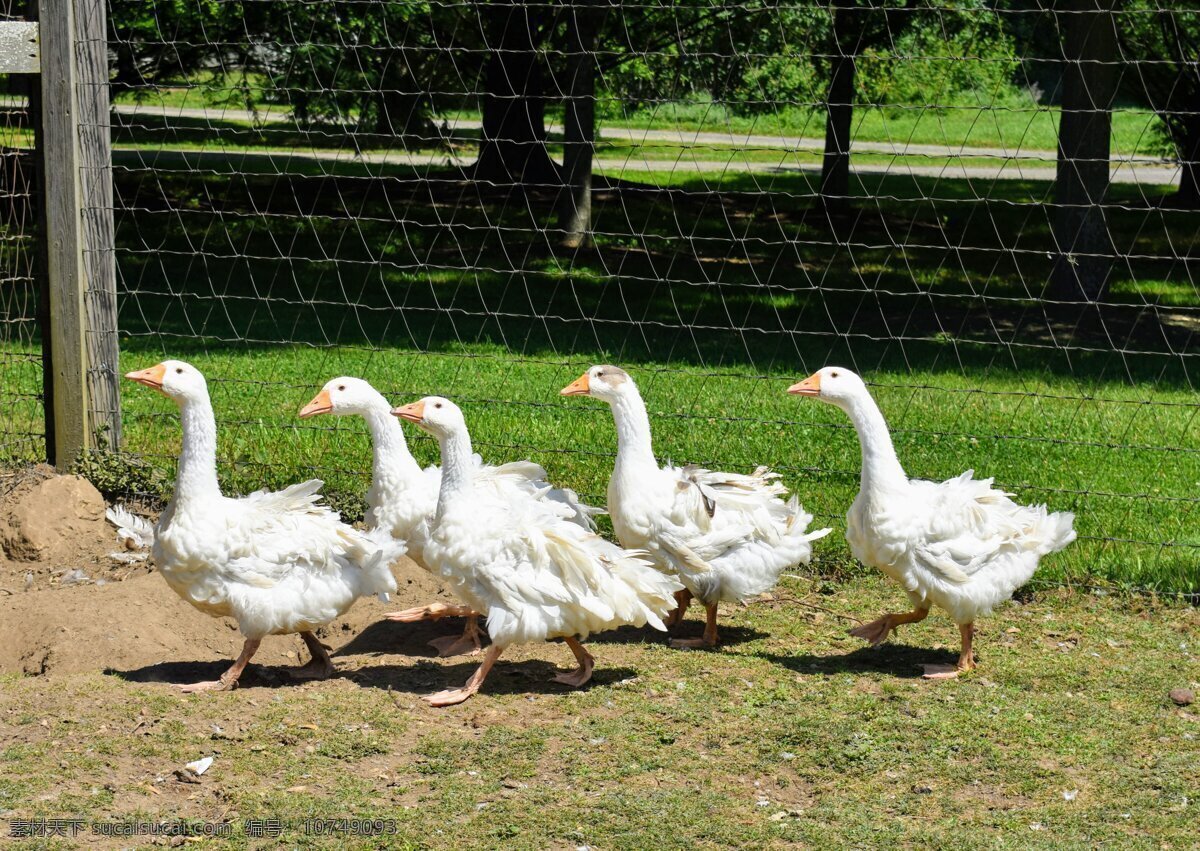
{"points": [[120, 475]]}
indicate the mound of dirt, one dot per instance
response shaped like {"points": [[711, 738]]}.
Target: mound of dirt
{"points": [[71, 600], [52, 527], [130, 625]]}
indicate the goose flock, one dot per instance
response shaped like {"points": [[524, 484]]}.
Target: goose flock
{"points": [[524, 555]]}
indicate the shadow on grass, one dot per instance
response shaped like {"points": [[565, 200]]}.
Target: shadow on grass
{"points": [[898, 660], [385, 637], [184, 673], [534, 676], [412, 639], [529, 676], [926, 272]]}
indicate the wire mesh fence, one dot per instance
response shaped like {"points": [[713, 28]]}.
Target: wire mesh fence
{"points": [[481, 199], [22, 431]]}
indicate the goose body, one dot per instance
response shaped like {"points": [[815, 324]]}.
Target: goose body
{"points": [[403, 497], [520, 560], [961, 545], [277, 562], [727, 536]]}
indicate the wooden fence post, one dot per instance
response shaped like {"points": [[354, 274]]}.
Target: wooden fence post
{"points": [[76, 166], [99, 258]]}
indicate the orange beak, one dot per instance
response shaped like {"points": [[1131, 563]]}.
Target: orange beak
{"points": [[321, 404], [578, 387], [152, 377], [810, 386], [414, 412]]}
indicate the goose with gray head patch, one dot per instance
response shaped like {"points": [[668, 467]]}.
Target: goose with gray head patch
{"points": [[727, 536]]}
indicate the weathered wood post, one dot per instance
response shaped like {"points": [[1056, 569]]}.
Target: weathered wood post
{"points": [[1083, 261], [77, 227], [99, 256]]}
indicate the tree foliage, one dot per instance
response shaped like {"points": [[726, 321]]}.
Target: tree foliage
{"points": [[1161, 41]]}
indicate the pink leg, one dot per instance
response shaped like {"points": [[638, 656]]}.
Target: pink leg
{"points": [[581, 674], [320, 667], [683, 599], [966, 658], [710, 633], [877, 631], [432, 612], [449, 697], [457, 645], [228, 679]]}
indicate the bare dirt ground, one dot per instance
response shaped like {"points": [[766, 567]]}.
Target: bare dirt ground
{"points": [[71, 602], [50, 525]]}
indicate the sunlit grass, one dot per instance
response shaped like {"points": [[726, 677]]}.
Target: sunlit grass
{"points": [[714, 309], [789, 734]]}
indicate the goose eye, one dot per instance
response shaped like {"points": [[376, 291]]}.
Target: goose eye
{"points": [[833, 375], [341, 387], [179, 370], [437, 404]]}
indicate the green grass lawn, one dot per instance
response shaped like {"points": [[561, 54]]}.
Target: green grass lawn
{"points": [[1030, 127], [273, 278], [789, 734], [715, 303], [1027, 127]]}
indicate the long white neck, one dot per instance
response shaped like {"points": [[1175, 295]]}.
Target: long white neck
{"points": [[391, 460], [635, 448], [881, 470], [457, 468], [197, 478]]}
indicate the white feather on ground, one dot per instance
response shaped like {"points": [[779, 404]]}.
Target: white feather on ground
{"points": [[134, 532]]}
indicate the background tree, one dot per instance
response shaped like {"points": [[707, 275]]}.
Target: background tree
{"points": [[368, 67], [1161, 40], [855, 25], [512, 148], [161, 41]]}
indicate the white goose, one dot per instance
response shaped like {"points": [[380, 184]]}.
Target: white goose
{"points": [[276, 562], [403, 497], [521, 562], [961, 544], [727, 536]]}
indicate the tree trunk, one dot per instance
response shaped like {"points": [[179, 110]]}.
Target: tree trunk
{"points": [[513, 146], [1083, 264], [835, 169], [398, 113], [579, 118], [127, 76], [1188, 196]]}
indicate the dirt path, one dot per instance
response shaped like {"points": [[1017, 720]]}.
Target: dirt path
{"points": [[223, 161]]}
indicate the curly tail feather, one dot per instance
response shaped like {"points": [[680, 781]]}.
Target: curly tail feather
{"points": [[533, 477], [629, 590], [798, 523], [1055, 531], [374, 552]]}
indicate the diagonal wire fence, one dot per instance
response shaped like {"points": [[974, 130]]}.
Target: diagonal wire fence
{"points": [[21, 425], [988, 209]]}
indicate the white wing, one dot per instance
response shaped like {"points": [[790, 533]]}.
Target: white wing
{"points": [[969, 525]]}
